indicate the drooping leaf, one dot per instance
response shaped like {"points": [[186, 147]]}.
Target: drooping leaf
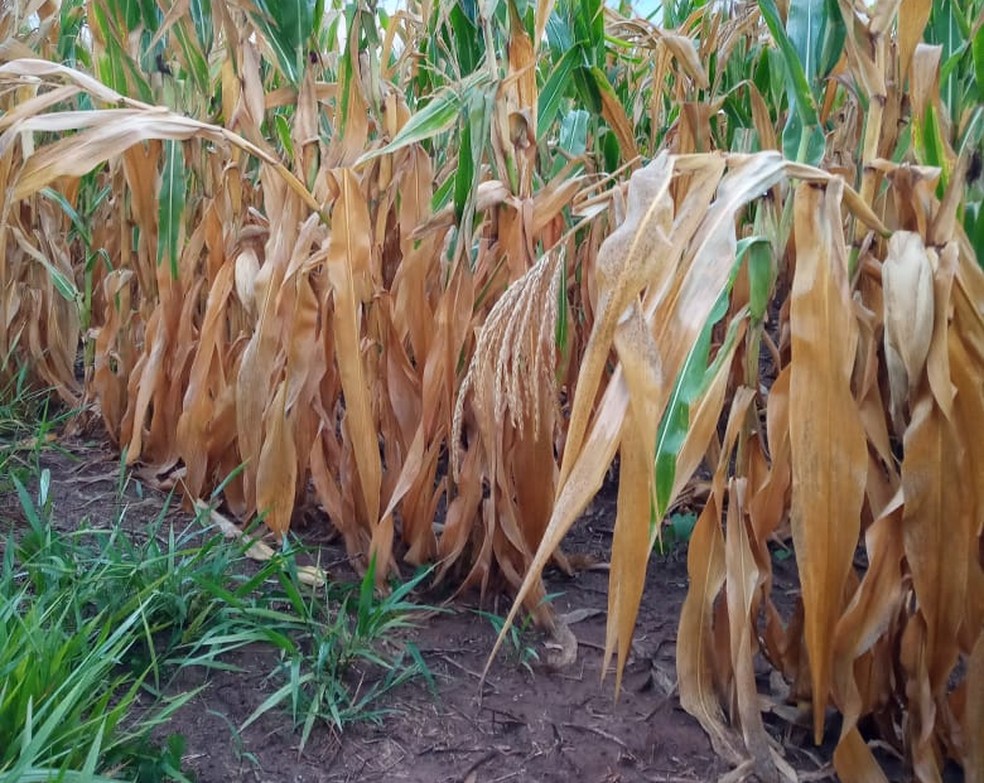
{"points": [[828, 473], [347, 265], [276, 474]]}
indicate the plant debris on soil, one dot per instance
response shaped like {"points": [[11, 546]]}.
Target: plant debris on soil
{"points": [[526, 723]]}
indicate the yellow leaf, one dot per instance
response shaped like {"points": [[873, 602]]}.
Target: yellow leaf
{"points": [[868, 616], [742, 584], [636, 486], [696, 661], [829, 473], [276, 474], [935, 517], [973, 723], [699, 664], [348, 255]]}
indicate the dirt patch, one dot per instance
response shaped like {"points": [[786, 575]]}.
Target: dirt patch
{"points": [[527, 724]]}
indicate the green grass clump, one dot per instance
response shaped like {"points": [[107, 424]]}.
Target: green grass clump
{"points": [[70, 696], [338, 656], [28, 420], [96, 622]]}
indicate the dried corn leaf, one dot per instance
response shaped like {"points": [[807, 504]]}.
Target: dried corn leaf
{"points": [[276, 472], [348, 259], [828, 473]]}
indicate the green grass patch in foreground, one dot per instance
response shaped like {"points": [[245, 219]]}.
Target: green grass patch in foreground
{"points": [[95, 623]]}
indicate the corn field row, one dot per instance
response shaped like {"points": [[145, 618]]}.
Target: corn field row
{"points": [[433, 270]]}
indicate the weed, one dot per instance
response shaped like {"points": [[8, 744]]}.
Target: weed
{"points": [[346, 658], [91, 618], [518, 639], [676, 531], [70, 684], [243, 756], [28, 419]]}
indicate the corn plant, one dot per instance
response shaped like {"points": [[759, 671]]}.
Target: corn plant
{"points": [[863, 290], [460, 256]]}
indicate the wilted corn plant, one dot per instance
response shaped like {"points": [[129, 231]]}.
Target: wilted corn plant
{"points": [[277, 278], [277, 281], [861, 443]]}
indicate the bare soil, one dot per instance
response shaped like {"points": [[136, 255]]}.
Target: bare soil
{"points": [[527, 724]]}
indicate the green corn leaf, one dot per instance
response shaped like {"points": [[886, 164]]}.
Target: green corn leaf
{"points": [[832, 39], [555, 90], [563, 327], [287, 26], [574, 132], [69, 30], [77, 222], [816, 31], [560, 37], [171, 205], [572, 139], [282, 127], [948, 28], [802, 137], [690, 384], [464, 35], [464, 175], [443, 194], [197, 64], [930, 148], [769, 78], [974, 226], [346, 73], [676, 419], [978, 55], [589, 26], [587, 88], [126, 12], [62, 283], [149, 14], [955, 62], [761, 273], [611, 152], [799, 88], [480, 107], [110, 69], [973, 135], [478, 121], [436, 117], [201, 17], [805, 144], [805, 24]]}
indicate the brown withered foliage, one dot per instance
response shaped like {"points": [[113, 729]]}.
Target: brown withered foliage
{"points": [[317, 306]]}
